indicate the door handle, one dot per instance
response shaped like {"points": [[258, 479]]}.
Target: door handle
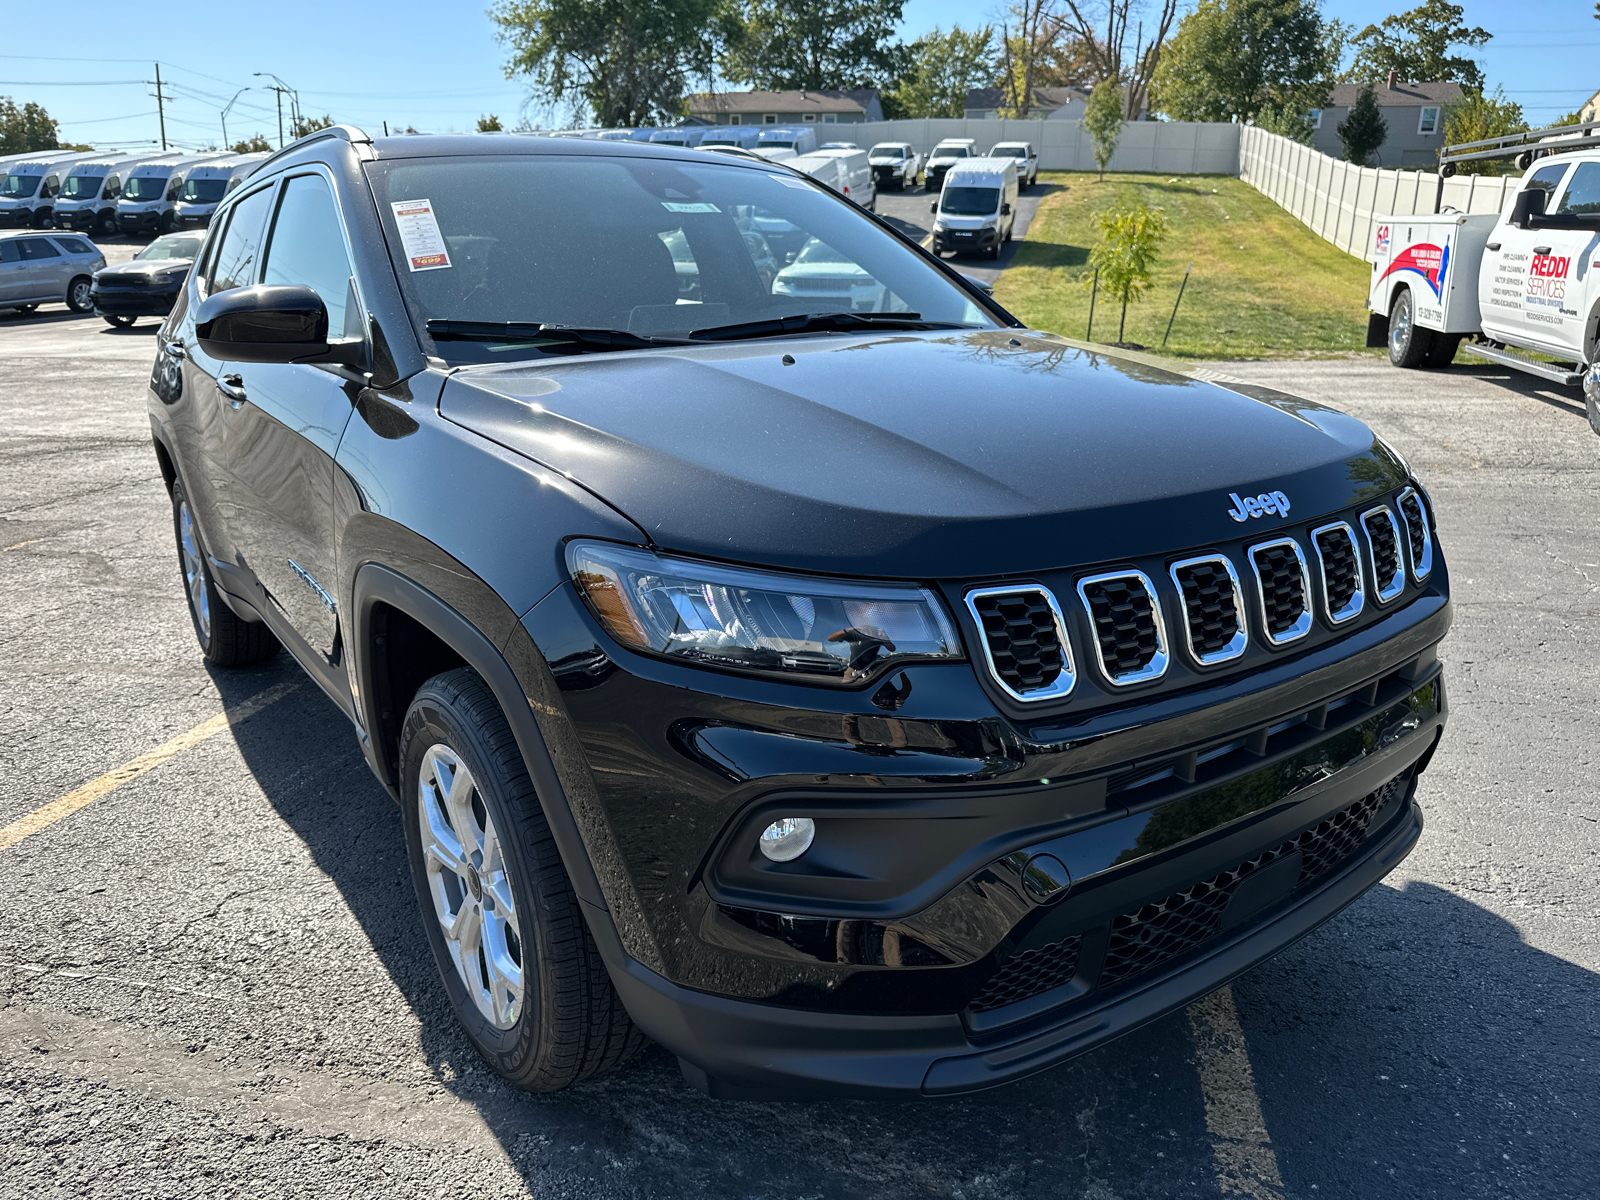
{"points": [[232, 386], [1541, 249], [177, 349], [1492, 246]]}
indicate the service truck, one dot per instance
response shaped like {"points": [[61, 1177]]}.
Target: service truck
{"points": [[1520, 288]]}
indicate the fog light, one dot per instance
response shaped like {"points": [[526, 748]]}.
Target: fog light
{"points": [[788, 838]]}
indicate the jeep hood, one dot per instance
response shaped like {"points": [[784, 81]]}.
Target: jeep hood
{"points": [[921, 455]]}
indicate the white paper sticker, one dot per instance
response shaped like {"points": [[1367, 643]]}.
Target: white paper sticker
{"points": [[698, 206], [419, 235]]}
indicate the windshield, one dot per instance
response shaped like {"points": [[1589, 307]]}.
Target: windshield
{"points": [[969, 201], [81, 187], [774, 144], [888, 152], [1009, 152], [951, 152], [204, 191], [170, 247], [19, 187], [658, 250], [144, 187]]}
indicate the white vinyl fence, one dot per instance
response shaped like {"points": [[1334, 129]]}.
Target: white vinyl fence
{"points": [[1338, 200], [1167, 147]]}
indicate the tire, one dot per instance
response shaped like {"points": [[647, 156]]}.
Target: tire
{"points": [[118, 320], [1443, 350], [226, 639], [1591, 386], [568, 1023], [166, 222], [78, 294], [1409, 342], [25, 309], [106, 224]]}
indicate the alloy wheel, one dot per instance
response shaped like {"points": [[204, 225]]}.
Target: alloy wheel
{"points": [[78, 299], [470, 882], [1400, 326], [194, 571]]}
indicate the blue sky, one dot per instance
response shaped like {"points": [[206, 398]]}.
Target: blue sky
{"points": [[405, 62]]}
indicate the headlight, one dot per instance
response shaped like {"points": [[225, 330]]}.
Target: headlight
{"points": [[815, 630]]}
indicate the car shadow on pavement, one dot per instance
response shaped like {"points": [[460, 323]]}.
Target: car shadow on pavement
{"points": [[1565, 399], [1413, 1021]]}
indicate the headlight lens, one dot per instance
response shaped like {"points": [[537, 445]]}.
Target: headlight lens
{"points": [[815, 630]]}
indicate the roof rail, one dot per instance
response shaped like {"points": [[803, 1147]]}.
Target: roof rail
{"points": [[345, 133], [1534, 143]]}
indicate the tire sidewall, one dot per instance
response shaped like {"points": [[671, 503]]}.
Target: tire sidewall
{"points": [[179, 499], [431, 721], [1397, 354]]}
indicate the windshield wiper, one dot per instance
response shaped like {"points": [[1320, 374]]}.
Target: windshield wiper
{"points": [[820, 323], [536, 333]]}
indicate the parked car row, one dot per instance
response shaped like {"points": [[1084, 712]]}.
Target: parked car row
{"points": [[63, 268], [898, 165], [115, 191]]}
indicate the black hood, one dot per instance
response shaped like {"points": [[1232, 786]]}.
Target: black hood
{"points": [[142, 269], [923, 456]]}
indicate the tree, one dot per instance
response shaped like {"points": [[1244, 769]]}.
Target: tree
{"points": [[1231, 57], [252, 145], [1477, 118], [1105, 46], [1028, 43], [1363, 130], [625, 61], [812, 44], [944, 67], [25, 129], [1285, 120], [300, 126], [1415, 45], [1129, 241], [490, 124], [1103, 120]]}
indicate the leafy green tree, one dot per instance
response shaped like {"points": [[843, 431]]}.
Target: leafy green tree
{"points": [[1130, 239], [944, 68], [1416, 45], [1477, 118], [1102, 117], [252, 145], [25, 129], [1363, 129], [626, 61], [490, 124], [1286, 120], [301, 126], [1228, 58], [784, 44]]}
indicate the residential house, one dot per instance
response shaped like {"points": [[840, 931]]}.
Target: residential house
{"points": [[803, 107], [1414, 112], [1049, 103], [1590, 110]]}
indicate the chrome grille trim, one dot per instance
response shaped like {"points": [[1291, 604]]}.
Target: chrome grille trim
{"points": [[1241, 638], [1157, 666], [1302, 624], [1357, 602], [1420, 570], [1064, 682], [1385, 590]]}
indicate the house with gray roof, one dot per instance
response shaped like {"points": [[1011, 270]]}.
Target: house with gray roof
{"points": [[1049, 103], [821, 106], [1414, 112]]}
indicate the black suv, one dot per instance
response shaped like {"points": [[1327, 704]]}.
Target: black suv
{"points": [[840, 684]]}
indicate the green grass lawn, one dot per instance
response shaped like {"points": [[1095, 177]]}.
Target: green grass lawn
{"points": [[1264, 286]]}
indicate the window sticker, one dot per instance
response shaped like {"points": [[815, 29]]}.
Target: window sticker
{"points": [[694, 207], [419, 235]]}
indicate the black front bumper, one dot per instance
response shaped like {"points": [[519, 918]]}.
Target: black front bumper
{"points": [[962, 241], [128, 303], [144, 222]]}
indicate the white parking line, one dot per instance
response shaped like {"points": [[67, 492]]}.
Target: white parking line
{"points": [[1246, 1164]]}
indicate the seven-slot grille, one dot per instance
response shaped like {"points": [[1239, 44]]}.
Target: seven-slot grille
{"points": [[1129, 638], [1285, 603], [1419, 538], [1383, 540], [1024, 640], [1213, 609], [1342, 594]]}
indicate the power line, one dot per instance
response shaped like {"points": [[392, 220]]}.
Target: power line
{"points": [[70, 82]]}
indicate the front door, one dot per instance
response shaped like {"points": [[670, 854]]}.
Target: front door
{"points": [[1567, 270], [1509, 287], [282, 444]]}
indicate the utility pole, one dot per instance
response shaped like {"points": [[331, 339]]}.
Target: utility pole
{"points": [[161, 108], [282, 89]]}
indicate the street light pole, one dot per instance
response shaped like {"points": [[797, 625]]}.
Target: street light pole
{"points": [[225, 113]]}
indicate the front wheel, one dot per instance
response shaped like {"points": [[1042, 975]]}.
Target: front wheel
{"points": [[1591, 395], [78, 294], [106, 224], [118, 320], [25, 309], [517, 960], [1409, 342], [226, 639]]}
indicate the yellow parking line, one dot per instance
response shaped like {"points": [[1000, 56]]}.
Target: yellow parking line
{"points": [[49, 814], [20, 545]]}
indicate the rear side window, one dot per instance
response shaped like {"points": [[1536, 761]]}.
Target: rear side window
{"points": [[36, 248], [240, 252], [1583, 193], [74, 245], [308, 248]]}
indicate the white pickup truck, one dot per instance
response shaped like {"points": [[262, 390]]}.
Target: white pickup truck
{"points": [[1523, 286]]}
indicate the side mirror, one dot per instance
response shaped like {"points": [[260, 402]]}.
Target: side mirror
{"points": [[272, 324], [1528, 205], [933, 206], [986, 288], [1005, 210]]}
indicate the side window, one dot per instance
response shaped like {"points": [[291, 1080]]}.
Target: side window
{"points": [[1547, 178], [52, 187], [112, 188], [74, 245], [37, 248], [308, 248], [1583, 193], [10, 251], [1428, 121], [240, 252], [175, 188]]}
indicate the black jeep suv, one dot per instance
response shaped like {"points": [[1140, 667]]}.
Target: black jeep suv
{"points": [[822, 674]]}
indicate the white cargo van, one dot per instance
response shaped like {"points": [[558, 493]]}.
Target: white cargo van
{"points": [[88, 199], [856, 181], [742, 136], [779, 143], [28, 191], [205, 186], [149, 200], [685, 135], [978, 207]]}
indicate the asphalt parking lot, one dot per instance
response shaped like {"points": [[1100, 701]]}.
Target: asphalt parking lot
{"points": [[908, 212], [215, 982]]}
